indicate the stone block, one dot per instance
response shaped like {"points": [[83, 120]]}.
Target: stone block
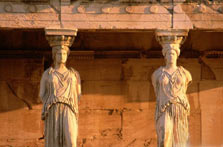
{"points": [[216, 67], [29, 23], [98, 69], [100, 142], [211, 112], [138, 95], [140, 69], [29, 17], [117, 95], [116, 24], [193, 96], [99, 124], [210, 93], [28, 69], [139, 127], [194, 67], [195, 128], [27, 90], [20, 125], [182, 21], [195, 114], [32, 124], [8, 100], [18, 94], [138, 143], [137, 91], [117, 17], [102, 95]]}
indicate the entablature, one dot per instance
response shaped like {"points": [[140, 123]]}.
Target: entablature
{"points": [[112, 14]]}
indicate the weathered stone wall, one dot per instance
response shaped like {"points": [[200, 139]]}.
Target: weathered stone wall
{"points": [[118, 102], [20, 123]]}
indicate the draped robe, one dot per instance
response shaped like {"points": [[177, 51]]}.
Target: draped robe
{"points": [[172, 106], [60, 108]]}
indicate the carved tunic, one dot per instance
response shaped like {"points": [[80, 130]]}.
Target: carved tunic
{"points": [[172, 106], [60, 108], [61, 88]]}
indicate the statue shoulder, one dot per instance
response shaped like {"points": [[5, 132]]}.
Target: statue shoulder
{"points": [[184, 70], [47, 72], [186, 73], [157, 72], [75, 72]]}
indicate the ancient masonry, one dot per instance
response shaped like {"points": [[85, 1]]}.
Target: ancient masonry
{"points": [[116, 49]]}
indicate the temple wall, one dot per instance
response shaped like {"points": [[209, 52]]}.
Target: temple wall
{"points": [[118, 102]]}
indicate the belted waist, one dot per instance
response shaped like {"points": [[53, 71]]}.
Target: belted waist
{"points": [[173, 101], [53, 100]]}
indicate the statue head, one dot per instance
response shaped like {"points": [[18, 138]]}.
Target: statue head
{"points": [[60, 54], [171, 52]]}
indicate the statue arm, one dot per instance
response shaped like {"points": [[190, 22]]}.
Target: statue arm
{"points": [[188, 82], [188, 77], [154, 76], [78, 85], [42, 91]]}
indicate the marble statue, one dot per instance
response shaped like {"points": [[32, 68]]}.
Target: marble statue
{"points": [[60, 91], [170, 83]]}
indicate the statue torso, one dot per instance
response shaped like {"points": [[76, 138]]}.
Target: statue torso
{"points": [[171, 88], [61, 88]]}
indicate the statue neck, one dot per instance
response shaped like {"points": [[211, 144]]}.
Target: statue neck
{"points": [[171, 66], [61, 68]]}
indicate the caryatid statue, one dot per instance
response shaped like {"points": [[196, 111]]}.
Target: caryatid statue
{"points": [[170, 83], [60, 90]]}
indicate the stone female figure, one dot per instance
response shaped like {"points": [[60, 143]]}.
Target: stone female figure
{"points": [[172, 107], [60, 90]]}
